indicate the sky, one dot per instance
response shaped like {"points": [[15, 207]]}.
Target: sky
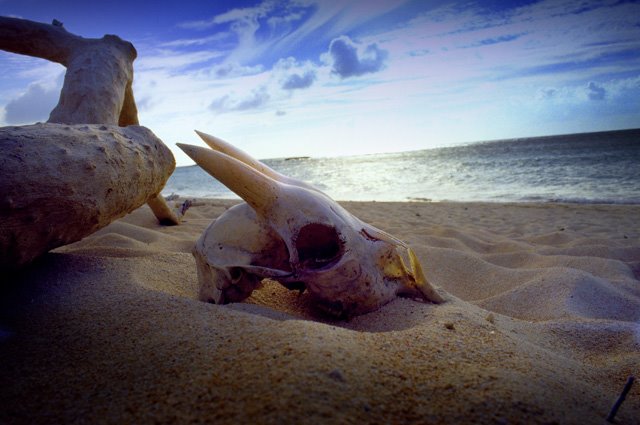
{"points": [[331, 78]]}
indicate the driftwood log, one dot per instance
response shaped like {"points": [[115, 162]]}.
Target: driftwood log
{"points": [[91, 163], [97, 84], [62, 182]]}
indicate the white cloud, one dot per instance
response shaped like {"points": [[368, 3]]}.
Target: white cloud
{"points": [[172, 60], [336, 18], [35, 69], [349, 59], [234, 69], [286, 20], [299, 81], [29, 88], [243, 24], [34, 103], [547, 93], [293, 75], [245, 14], [595, 91], [625, 88], [32, 106], [187, 42], [284, 26], [254, 100], [257, 92]]}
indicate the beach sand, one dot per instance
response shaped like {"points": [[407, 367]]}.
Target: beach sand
{"points": [[541, 325]]}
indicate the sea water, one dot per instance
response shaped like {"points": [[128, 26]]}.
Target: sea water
{"points": [[599, 167]]}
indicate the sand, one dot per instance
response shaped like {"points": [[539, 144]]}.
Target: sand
{"points": [[541, 325]]}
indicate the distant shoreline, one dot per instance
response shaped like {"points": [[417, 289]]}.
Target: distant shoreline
{"points": [[589, 134], [540, 203], [580, 168]]}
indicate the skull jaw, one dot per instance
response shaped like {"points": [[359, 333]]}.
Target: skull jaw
{"points": [[355, 304], [350, 288], [207, 281], [366, 294], [223, 286], [362, 284], [346, 309]]}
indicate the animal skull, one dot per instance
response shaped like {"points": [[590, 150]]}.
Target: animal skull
{"points": [[293, 233]]}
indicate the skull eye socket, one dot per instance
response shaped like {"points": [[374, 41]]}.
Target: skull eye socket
{"points": [[318, 245], [236, 274]]}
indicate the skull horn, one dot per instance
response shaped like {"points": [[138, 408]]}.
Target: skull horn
{"points": [[221, 146], [226, 148], [256, 189]]}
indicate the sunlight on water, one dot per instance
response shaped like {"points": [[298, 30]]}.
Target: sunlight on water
{"points": [[595, 167]]}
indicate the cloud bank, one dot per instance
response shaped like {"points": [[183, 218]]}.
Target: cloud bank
{"points": [[33, 106]]}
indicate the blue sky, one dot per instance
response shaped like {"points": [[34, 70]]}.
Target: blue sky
{"points": [[327, 78]]}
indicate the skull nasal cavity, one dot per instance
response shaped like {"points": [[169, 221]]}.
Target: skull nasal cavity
{"points": [[318, 245]]}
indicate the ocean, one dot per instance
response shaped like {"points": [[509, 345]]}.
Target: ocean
{"points": [[601, 167]]}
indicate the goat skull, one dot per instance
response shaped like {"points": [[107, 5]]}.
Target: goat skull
{"points": [[293, 233]]}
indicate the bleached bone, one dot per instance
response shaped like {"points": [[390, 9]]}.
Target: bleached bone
{"points": [[291, 232], [228, 149]]}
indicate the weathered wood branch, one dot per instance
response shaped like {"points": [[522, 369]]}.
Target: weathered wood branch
{"points": [[61, 182], [98, 83], [49, 42], [84, 168], [99, 71]]}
